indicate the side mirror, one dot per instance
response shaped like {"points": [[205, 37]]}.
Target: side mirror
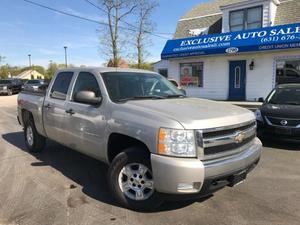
{"points": [[183, 91], [87, 97], [261, 100]]}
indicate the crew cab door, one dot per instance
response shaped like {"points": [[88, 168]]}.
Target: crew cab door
{"points": [[54, 106], [85, 124]]}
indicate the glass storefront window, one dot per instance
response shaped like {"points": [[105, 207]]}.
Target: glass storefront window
{"points": [[288, 71], [191, 74]]}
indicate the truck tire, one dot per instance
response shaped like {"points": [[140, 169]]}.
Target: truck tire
{"points": [[131, 182], [33, 140], [9, 92]]}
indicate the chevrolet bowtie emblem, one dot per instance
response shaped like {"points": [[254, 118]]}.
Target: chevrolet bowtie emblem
{"points": [[239, 137]]}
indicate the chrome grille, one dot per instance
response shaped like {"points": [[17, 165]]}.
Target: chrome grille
{"points": [[225, 141]]}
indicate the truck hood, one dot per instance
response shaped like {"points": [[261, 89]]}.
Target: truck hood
{"points": [[196, 113]]}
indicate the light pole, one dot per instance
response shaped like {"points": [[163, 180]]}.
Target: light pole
{"points": [[29, 57], [66, 58]]}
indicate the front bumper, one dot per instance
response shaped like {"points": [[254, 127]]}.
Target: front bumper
{"points": [[4, 92], [192, 176], [275, 132]]}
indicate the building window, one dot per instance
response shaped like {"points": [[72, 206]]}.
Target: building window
{"points": [[163, 72], [237, 77], [191, 74], [244, 19], [288, 71]]}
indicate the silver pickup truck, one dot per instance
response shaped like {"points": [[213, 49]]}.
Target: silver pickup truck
{"points": [[158, 143]]}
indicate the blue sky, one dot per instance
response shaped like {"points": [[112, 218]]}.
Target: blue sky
{"points": [[28, 29]]}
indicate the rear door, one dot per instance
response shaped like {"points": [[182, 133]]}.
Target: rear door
{"points": [[54, 106], [85, 126]]}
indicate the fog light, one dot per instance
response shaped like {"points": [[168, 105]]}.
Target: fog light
{"points": [[189, 187]]}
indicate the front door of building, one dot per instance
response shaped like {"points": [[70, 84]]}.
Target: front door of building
{"points": [[237, 80]]}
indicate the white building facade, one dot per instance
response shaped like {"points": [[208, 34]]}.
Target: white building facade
{"points": [[236, 49]]}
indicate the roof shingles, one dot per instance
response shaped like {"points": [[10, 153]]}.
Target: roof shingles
{"points": [[206, 14]]}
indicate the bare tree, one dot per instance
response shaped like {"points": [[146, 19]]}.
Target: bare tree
{"points": [[144, 27], [116, 11], [2, 58]]}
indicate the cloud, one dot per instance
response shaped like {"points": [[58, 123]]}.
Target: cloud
{"points": [[45, 51]]}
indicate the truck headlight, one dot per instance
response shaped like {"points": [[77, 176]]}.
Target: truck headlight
{"points": [[4, 87], [173, 142], [258, 115]]}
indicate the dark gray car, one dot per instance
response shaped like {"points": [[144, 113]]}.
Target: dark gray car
{"points": [[279, 116], [10, 86]]}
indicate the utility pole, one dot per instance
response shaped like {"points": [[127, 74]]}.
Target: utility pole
{"points": [[66, 58], [29, 57]]}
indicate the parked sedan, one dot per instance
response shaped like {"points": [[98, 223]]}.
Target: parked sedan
{"points": [[33, 85], [279, 116], [10, 86]]}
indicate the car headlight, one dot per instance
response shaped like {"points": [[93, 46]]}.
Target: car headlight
{"points": [[4, 87], [173, 142], [258, 115]]}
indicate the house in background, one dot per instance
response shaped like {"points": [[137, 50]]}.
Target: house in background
{"points": [[122, 63], [236, 49], [29, 75], [161, 67]]}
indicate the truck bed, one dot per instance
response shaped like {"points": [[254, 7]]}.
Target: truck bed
{"points": [[32, 102]]}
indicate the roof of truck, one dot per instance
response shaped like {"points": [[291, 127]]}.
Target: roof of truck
{"points": [[104, 69]]}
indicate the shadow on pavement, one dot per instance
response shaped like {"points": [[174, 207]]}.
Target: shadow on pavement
{"points": [[83, 170]]}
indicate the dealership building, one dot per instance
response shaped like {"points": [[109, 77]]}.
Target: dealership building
{"points": [[235, 49]]}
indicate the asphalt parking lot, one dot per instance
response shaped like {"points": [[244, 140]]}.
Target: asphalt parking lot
{"points": [[61, 186]]}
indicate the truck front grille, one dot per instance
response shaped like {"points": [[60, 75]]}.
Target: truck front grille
{"points": [[221, 142]]}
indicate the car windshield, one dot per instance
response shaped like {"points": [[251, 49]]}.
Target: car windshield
{"points": [[34, 82], [5, 81], [285, 96], [124, 86]]}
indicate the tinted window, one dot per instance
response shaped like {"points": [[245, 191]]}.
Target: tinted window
{"points": [[34, 82], [127, 85], [86, 82], [5, 82], [61, 85]]}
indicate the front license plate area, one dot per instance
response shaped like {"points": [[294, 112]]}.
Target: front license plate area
{"points": [[284, 131], [237, 179]]}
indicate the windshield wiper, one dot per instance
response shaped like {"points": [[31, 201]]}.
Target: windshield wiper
{"points": [[141, 97], [292, 103]]}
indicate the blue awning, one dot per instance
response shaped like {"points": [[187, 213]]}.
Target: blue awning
{"points": [[263, 39]]}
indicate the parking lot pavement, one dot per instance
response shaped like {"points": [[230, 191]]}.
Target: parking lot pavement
{"points": [[61, 186]]}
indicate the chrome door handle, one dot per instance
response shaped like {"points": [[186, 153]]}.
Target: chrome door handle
{"points": [[48, 106], [70, 111]]}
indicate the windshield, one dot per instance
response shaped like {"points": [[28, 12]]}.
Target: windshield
{"points": [[5, 81], [285, 96], [34, 82], [124, 86]]}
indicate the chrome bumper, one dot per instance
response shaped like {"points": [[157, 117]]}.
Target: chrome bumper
{"points": [[187, 176], [3, 91]]}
